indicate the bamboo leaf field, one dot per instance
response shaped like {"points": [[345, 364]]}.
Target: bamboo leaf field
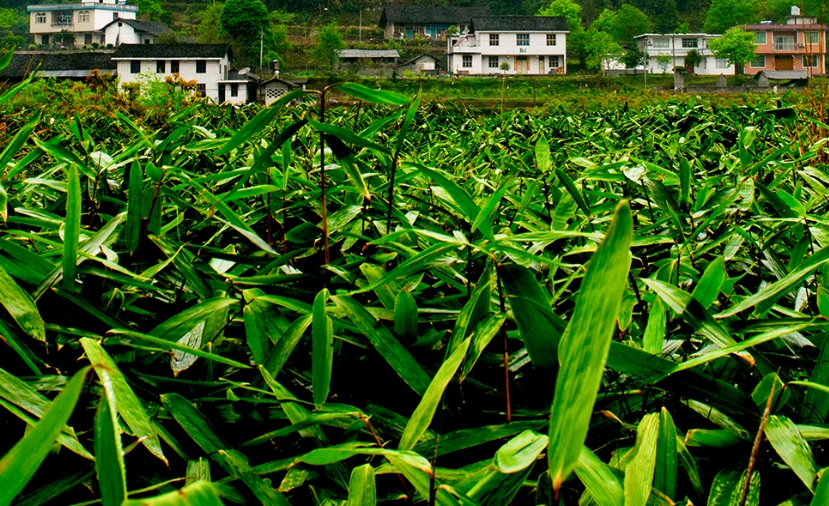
{"points": [[396, 301]]}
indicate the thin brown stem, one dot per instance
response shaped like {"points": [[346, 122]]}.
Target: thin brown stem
{"points": [[755, 450]]}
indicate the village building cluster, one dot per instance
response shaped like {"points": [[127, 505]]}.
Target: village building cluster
{"points": [[477, 43]]}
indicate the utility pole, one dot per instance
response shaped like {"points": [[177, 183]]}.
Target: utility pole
{"points": [[361, 23], [261, 47]]}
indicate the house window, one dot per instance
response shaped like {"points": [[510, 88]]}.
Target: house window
{"points": [[551, 39], [812, 37], [234, 90], [689, 43], [493, 39], [522, 39], [83, 17], [201, 67], [721, 63], [135, 67], [759, 62], [759, 38], [160, 67], [174, 67], [493, 62], [40, 18], [810, 60], [661, 42], [554, 64], [467, 61], [87, 38], [202, 89]]}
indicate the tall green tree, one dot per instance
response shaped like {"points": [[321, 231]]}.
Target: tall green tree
{"points": [[577, 39], [601, 50], [245, 21], [210, 29], [623, 26], [724, 14], [327, 45], [151, 8], [737, 46]]}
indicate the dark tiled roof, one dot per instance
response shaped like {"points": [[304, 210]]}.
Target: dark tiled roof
{"points": [[150, 27], [369, 53], [162, 51], [26, 61], [520, 23], [423, 15]]}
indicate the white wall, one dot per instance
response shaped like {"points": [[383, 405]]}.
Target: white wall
{"points": [[508, 51], [125, 34], [216, 71], [99, 16]]}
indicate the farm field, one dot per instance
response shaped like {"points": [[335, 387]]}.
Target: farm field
{"points": [[622, 303]]}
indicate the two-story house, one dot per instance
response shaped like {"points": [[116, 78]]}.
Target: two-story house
{"points": [[207, 64], [799, 44], [510, 45], [83, 20], [130, 31], [667, 51], [408, 21]]}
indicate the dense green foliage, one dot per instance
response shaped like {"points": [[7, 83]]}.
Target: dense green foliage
{"points": [[440, 304]]}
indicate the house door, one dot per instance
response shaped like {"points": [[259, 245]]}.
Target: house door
{"points": [[522, 64], [409, 32], [783, 62], [221, 93]]}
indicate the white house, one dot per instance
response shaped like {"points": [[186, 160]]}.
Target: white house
{"points": [[408, 21], [526, 44], [667, 51], [130, 31], [83, 20], [207, 64]]}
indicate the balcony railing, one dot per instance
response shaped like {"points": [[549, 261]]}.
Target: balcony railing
{"points": [[784, 46], [78, 6]]}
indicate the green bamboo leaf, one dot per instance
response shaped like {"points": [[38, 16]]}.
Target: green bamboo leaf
{"points": [[655, 329], [362, 490], [585, 345], [639, 473], [723, 488], [352, 166], [418, 262], [162, 344], [386, 345], [322, 348], [347, 136], [466, 205], [405, 315], [698, 317], [665, 471], [792, 448], [21, 307], [476, 307], [370, 95], [21, 462], [689, 464], [710, 283], [109, 458], [125, 401], [665, 200], [135, 194], [573, 191], [520, 452], [533, 315], [542, 155], [816, 403], [72, 228], [712, 438], [599, 480], [7, 58], [414, 105], [486, 212], [259, 122], [484, 332], [176, 326], [425, 411], [283, 348], [774, 291], [193, 422], [684, 182], [197, 470], [822, 492], [199, 493], [255, 332]]}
